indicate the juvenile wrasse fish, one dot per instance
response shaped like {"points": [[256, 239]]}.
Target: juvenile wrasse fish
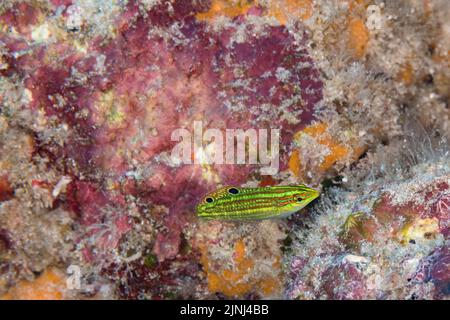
{"points": [[233, 203]]}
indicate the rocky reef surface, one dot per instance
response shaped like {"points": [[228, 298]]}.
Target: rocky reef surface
{"points": [[91, 92], [384, 237]]}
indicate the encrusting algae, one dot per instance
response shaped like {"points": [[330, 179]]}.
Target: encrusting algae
{"points": [[281, 10], [50, 285], [333, 150], [238, 281]]}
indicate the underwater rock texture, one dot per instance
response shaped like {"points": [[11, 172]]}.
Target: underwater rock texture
{"points": [[383, 238], [91, 91]]}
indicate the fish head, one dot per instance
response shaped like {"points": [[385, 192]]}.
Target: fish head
{"points": [[300, 197]]}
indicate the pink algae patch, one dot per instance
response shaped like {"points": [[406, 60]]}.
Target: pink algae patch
{"points": [[139, 86], [21, 16], [50, 285]]}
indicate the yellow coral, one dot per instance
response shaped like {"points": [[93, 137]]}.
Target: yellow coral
{"points": [[279, 9], [419, 229], [359, 37], [294, 163], [337, 152], [238, 281], [228, 8], [48, 286]]}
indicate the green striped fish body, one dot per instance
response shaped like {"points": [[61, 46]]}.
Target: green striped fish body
{"points": [[233, 203]]}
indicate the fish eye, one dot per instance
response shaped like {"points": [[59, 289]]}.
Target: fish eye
{"points": [[299, 199], [209, 199], [233, 191]]}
